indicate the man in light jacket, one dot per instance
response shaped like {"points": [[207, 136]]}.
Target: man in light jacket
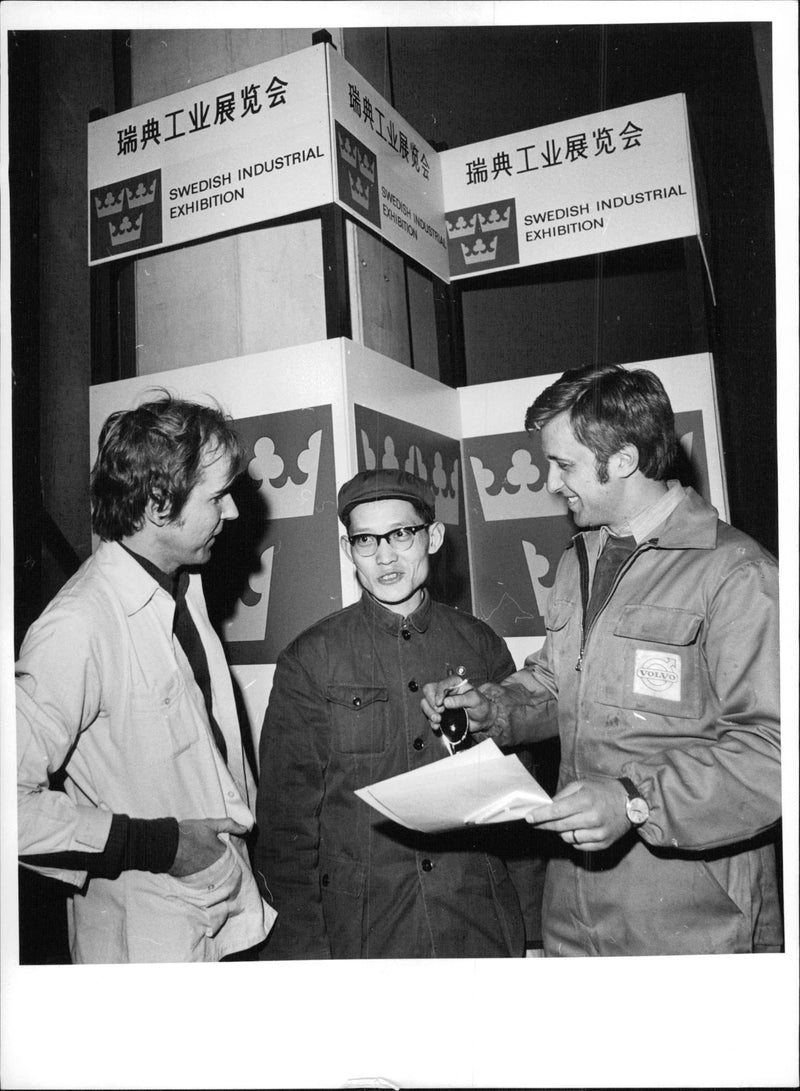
{"points": [[659, 672], [123, 690]]}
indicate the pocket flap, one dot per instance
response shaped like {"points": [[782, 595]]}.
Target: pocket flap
{"points": [[558, 614], [342, 876], [355, 696], [659, 625]]}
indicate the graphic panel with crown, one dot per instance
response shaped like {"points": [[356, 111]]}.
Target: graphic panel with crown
{"points": [[482, 238], [357, 169], [518, 531], [385, 442], [126, 215], [276, 569]]}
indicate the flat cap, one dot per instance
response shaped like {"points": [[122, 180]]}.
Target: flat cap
{"points": [[371, 485]]}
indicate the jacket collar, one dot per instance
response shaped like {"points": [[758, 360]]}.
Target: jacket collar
{"points": [[691, 525], [394, 623]]}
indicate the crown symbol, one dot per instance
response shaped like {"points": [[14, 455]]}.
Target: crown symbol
{"points": [[141, 195], [112, 203], [538, 566], [287, 501], [249, 622], [480, 252], [358, 191], [126, 230], [367, 167], [523, 502], [495, 221], [445, 487], [348, 153], [461, 228]]}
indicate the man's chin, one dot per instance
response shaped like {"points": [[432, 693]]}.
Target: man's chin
{"points": [[394, 594]]}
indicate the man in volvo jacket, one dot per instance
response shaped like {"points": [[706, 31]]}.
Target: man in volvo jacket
{"points": [[123, 690], [343, 713], [659, 673]]}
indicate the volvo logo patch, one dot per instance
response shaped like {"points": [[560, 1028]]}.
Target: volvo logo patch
{"points": [[657, 675]]}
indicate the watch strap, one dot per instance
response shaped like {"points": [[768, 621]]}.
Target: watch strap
{"points": [[630, 788]]}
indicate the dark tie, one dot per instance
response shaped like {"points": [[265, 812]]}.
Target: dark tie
{"points": [[616, 552], [185, 630]]}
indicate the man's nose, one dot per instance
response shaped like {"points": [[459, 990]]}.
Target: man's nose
{"points": [[385, 552], [554, 481], [229, 509]]}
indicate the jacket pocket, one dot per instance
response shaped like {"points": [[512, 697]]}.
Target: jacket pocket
{"points": [[162, 719], [652, 663], [558, 614], [556, 622], [342, 884], [358, 718]]}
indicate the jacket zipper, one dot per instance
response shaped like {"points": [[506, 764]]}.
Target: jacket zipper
{"points": [[583, 565]]}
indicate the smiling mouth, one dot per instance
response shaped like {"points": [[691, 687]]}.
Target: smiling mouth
{"points": [[390, 577]]}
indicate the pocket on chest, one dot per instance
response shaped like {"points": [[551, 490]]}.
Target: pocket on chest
{"points": [[162, 720], [652, 662], [358, 718]]}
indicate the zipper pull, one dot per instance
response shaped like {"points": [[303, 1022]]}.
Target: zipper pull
{"points": [[579, 664]]}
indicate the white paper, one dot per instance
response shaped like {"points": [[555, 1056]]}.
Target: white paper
{"points": [[475, 787]]}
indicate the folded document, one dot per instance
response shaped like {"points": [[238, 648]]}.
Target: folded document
{"points": [[476, 786]]}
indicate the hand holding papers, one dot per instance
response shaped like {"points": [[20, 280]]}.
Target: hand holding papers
{"points": [[477, 786]]}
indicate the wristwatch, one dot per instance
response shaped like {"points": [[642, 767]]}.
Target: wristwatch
{"points": [[636, 808]]}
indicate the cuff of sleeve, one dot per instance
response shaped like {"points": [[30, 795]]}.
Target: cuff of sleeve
{"points": [[152, 844]]}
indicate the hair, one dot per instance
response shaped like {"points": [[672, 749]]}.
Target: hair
{"points": [[155, 452], [609, 407], [423, 513]]}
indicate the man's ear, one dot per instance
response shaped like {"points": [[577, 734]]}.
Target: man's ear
{"points": [[435, 537], [625, 462], [155, 513], [347, 549]]}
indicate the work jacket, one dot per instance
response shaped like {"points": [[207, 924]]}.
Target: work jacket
{"points": [[675, 686], [105, 691], [344, 712]]}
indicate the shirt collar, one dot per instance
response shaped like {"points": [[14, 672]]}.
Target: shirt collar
{"points": [[169, 583], [394, 623], [641, 526]]}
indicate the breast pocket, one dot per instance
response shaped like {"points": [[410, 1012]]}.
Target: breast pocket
{"points": [[653, 662], [162, 719], [358, 718], [559, 631]]}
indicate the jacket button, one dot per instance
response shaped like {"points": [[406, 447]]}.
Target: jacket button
{"points": [[325, 880], [405, 634], [418, 744], [412, 685], [427, 865], [356, 702]]}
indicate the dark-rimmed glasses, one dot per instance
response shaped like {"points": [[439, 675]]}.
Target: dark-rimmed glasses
{"points": [[366, 545]]}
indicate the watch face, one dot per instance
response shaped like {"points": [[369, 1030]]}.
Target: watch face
{"points": [[638, 811]]}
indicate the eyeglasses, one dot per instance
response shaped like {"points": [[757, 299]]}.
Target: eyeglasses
{"points": [[365, 545]]}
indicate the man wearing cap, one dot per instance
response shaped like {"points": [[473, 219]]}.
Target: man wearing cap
{"points": [[344, 712]]}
